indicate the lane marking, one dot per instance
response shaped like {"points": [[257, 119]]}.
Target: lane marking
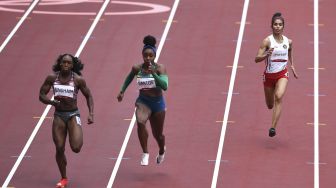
{"points": [[233, 93], [28, 18], [319, 95], [320, 42], [115, 158], [312, 163], [31, 7], [16, 156], [221, 121], [165, 21], [38, 117], [311, 24], [312, 68], [153, 8], [224, 161], [129, 131], [38, 125], [239, 67], [92, 19], [230, 93], [316, 97], [246, 23], [320, 124]]}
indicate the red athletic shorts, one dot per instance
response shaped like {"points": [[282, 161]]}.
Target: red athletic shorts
{"points": [[270, 79]]}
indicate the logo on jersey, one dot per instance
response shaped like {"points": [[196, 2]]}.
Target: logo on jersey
{"points": [[285, 46]]}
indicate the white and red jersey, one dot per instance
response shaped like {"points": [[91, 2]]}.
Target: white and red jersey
{"points": [[279, 58]]}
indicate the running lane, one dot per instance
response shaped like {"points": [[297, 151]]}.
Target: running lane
{"points": [[199, 47], [25, 63], [327, 94], [7, 24], [251, 158], [114, 46]]}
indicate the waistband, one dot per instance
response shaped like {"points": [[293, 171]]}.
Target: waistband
{"points": [[276, 74], [71, 110]]}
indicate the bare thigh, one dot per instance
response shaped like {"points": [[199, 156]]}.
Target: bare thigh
{"points": [[142, 113], [269, 96], [157, 122], [75, 133], [280, 88], [59, 133]]}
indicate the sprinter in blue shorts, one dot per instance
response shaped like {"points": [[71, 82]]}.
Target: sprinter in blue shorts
{"points": [[150, 105]]}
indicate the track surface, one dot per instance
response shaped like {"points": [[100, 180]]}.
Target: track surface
{"points": [[198, 53]]}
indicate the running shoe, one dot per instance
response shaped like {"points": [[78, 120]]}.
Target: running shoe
{"points": [[144, 159], [63, 183], [160, 158], [272, 132]]}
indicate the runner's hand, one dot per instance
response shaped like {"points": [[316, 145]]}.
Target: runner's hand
{"points": [[90, 119], [294, 72], [269, 52], [120, 96], [55, 102]]}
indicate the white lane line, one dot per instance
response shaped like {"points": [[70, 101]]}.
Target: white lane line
{"points": [[316, 96], [18, 25], [230, 93], [95, 22], [128, 134], [38, 125]]}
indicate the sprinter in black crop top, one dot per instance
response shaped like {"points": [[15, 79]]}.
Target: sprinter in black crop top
{"points": [[65, 82]]}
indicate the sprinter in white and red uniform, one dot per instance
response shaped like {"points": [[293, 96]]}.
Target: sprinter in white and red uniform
{"points": [[276, 50], [66, 81]]}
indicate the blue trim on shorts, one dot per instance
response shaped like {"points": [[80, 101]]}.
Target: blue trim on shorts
{"points": [[156, 104]]}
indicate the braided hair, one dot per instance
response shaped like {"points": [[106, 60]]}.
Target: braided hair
{"points": [[77, 64]]}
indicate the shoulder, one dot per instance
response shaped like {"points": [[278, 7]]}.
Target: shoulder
{"points": [[266, 42], [288, 39], [136, 68], [161, 68], [51, 77], [79, 80]]}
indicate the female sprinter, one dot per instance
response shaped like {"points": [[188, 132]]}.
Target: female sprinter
{"points": [[151, 79], [276, 50], [66, 81]]}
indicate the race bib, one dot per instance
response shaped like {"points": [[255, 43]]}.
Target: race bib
{"points": [[146, 83], [64, 91]]}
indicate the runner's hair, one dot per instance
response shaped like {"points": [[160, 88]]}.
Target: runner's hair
{"points": [[77, 64]]}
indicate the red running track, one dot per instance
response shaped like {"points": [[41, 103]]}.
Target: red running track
{"points": [[328, 92], [199, 48]]}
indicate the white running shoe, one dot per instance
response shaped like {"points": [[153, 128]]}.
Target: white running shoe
{"points": [[144, 159], [160, 158]]}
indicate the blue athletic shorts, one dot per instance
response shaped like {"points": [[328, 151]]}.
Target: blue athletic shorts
{"points": [[156, 104]]}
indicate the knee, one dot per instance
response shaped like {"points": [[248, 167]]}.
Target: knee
{"points": [[270, 106], [60, 150], [159, 136], [141, 126], [277, 98], [76, 149]]}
